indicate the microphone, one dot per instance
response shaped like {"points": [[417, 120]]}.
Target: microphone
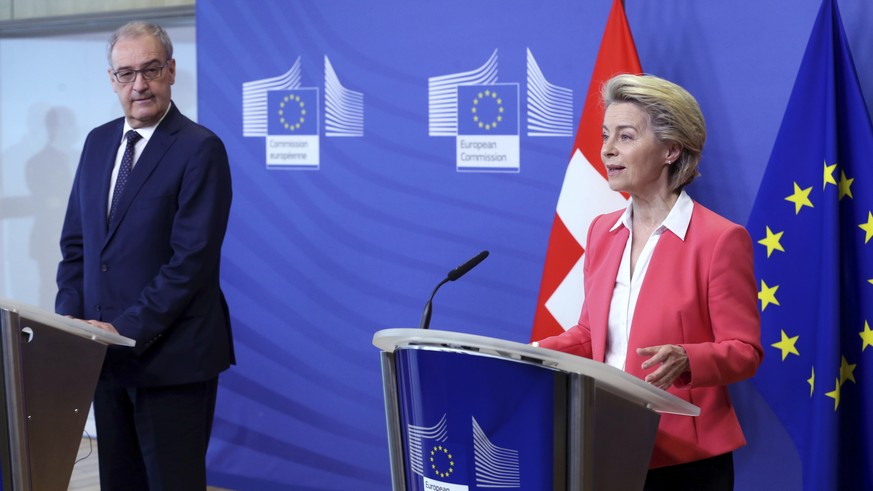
{"points": [[452, 276]]}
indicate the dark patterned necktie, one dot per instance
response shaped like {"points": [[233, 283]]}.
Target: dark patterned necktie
{"points": [[124, 170]]}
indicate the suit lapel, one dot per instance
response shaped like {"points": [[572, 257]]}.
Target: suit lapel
{"points": [[656, 289], [601, 296], [155, 149], [669, 256]]}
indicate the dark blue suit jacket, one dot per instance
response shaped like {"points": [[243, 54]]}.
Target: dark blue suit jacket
{"points": [[154, 272]]}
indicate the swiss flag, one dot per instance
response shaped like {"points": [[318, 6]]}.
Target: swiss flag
{"points": [[585, 192]]}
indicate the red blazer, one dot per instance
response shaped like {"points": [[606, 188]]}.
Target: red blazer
{"points": [[700, 294]]}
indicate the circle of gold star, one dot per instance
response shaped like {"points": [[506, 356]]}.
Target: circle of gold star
{"points": [[288, 103], [436, 451], [482, 97]]}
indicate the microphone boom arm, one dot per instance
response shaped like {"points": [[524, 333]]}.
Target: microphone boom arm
{"points": [[452, 276], [428, 307]]}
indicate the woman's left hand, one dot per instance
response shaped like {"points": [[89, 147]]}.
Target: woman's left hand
{"points": [[673, 360]]}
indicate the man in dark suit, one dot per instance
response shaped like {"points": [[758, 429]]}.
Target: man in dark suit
{"points": [[141, 248]]}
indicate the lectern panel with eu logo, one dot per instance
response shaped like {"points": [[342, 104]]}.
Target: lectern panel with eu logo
{"points": [[477, 422], [468, 412]]}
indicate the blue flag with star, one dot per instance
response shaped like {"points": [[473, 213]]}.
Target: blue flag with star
{"points": [[292, 112], [813, 225], [488, 109]]}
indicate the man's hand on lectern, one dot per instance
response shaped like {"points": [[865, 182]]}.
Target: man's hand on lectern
{"points": [[103, 325]]}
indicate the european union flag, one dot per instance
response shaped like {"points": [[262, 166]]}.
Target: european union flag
{"points": [[812, 221], [488, 109], [292, 112], [446, 462]]}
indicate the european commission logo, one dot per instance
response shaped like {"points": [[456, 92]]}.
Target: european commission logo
{"points": [[292, 128], [484, 116], [292, 112], [288, 116], [443, 462], [488, 128], [488, 109]]}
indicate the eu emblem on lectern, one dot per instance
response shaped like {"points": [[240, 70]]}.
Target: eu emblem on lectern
{"points": [[442, 458]]}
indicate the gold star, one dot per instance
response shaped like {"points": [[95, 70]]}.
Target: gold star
{"points": [[771, 241], [846, 186], [867, 227], [835, 394], [866, 336], [800, 198], [767, 295], [811, 382], [787, 345], [846, 370], [829, 174]]}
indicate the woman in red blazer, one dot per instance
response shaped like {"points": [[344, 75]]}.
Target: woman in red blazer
{"points": [[670, 293]]}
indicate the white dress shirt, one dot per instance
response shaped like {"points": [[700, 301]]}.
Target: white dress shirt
{"points": [[146, 133], [627, 288]]}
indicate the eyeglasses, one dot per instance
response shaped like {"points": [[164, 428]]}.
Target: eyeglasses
{"points": [[127, 76]]}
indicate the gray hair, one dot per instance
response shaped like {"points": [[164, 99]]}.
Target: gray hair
{"points": [[674, 117], [137, 29]]}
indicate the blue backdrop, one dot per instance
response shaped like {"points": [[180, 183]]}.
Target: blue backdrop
{"points": [[352, 198]]}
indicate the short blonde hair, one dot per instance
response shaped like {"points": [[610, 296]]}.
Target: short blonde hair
{"points": [[674, 117]]}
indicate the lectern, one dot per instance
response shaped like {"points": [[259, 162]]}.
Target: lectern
{"points": [[50, 365], [468, 412]]}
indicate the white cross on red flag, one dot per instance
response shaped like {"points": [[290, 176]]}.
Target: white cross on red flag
{"points": [[585, 192]]}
